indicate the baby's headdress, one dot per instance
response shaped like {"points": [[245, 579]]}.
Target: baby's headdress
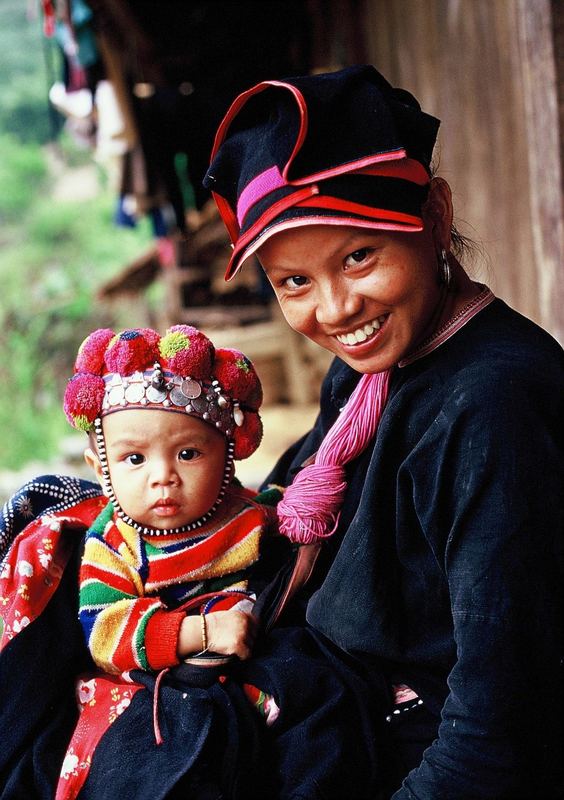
{"points": [[180, 372]]}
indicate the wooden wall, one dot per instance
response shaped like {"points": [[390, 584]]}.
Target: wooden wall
{"points": [[489, 70]]}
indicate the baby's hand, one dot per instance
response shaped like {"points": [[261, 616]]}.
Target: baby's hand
{"points": [[231, 633]]}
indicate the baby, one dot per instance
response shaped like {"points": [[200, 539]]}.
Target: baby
{"points": [[167, 417], [166, 589]]}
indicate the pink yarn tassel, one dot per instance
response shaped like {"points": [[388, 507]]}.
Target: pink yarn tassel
{"points": [[312, 503]]}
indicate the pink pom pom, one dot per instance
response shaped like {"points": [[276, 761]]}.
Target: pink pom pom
{"points": [[131, 351], [91, 352], [83, 400], [237, 377], [310, 507], [248, 437], [187, 352]]}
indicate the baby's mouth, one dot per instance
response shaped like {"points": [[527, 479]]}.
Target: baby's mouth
{"points": [[166, 505]]}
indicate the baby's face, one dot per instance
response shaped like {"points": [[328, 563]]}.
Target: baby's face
{"points": [[166, 468]]}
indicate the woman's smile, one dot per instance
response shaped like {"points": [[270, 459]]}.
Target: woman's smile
{"points": [[367, 296], [363, 334]]}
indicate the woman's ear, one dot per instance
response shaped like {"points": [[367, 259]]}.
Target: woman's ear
{"points": [[437, 213], [93, 462]]}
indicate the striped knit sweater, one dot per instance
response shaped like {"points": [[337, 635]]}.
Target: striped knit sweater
{"points": [[132, 584]]}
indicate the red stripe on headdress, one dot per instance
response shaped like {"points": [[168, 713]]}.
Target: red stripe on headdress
{"points": [[273, 211], [347, 168], [337, 204], [408, 169], [228, 217]]}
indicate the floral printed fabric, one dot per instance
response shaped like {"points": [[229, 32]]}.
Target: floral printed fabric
{"points": [[34, 566], [101, 700]]}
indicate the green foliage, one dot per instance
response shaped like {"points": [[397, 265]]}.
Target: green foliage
{"points": [[54, 257], [28, 65], [22, 172]]}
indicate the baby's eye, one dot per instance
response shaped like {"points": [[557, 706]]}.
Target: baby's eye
{"points": [[188, 454], [357, 256], [134, 459], [295, 282]]}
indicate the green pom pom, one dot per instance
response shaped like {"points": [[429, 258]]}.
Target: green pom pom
{"points": [[82, 423], [173, 343], [243, 364]]}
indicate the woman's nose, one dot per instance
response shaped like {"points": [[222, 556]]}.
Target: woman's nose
{"points": [[337, 304]]}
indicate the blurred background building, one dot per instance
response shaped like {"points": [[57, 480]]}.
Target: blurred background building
{"points": [[491, 71], [141, 87]]}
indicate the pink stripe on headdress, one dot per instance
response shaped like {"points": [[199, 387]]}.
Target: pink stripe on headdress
{"points": [[259, 187]]}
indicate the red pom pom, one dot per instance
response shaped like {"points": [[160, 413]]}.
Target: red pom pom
{"points": [[131, 351], [237, 377], [150, 336], [83, 400], [248, 437], [187, 352], [91, 352]]}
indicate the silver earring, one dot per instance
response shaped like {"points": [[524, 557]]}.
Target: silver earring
{"points": [[445, 273]]}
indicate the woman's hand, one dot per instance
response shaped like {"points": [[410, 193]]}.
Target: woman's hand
{"points": [[231, 633]]}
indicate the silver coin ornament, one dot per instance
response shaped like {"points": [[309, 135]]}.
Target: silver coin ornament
{"points": [[116, 396], [203, 400], [199, 404], [191, 388], [155, 395], [134, 393], [178, 397]]}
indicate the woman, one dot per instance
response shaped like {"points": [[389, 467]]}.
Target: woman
{"points": [[435, 493], [440, 567]]}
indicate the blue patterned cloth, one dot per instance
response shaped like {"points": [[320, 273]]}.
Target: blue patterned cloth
{"points": [[41, 495]]}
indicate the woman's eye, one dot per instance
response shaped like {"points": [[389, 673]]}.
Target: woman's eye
{"points": [[357, 256], [135, 459], [295, 282], [188, 454]]}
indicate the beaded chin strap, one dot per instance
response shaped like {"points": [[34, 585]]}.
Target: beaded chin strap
{"points": [[197, 523]]}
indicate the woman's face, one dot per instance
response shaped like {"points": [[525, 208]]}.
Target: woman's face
{"points": [[367, 296]]}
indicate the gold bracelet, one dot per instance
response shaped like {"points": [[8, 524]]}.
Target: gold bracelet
{"points": [[204, 628]]}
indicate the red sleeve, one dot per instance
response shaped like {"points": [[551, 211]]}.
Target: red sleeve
{"points": [[161, 638]]}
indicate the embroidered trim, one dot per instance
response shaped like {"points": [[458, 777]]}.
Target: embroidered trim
{"points": [[40, 497], [451, 327], [398, 711]]}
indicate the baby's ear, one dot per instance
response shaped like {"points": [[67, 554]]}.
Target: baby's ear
{"points": [[93, 462]]}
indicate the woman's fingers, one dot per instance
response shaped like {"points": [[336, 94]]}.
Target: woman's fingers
{"points": [[231, 633]]}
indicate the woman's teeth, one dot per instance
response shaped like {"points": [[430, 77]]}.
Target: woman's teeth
{"points": [[361, 334]]}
